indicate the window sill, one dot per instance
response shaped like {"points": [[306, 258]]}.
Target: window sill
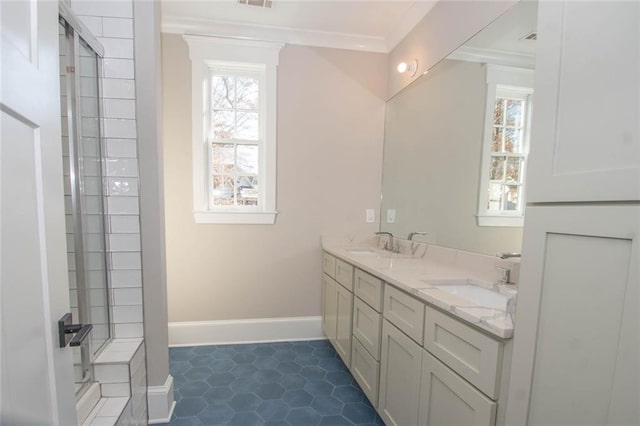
{"points": [[505, 221], [245, 218]]}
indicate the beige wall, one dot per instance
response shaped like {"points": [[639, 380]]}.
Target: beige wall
{"points": [[434, 136], [330, 132], [448, 25]]}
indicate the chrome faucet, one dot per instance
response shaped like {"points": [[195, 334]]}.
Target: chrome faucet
{"points": [[414, 245], [388, 245], [413, 234], [506, 276], [508, 255]]}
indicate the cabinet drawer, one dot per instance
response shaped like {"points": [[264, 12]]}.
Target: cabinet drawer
{"points": [[405, 312], [367, 324], [344, 274], [368, 288], [472, 354], [366, 371], [447, 399], [329, 265]]}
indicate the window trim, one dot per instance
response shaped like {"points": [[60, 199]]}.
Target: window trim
{"points": [[207, 52], [502, 78]]}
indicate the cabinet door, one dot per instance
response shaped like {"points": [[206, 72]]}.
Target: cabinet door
{"points": [[329, 307], [447, 399], [344, 312], [400, 363], [576, 350], [366, 371], [367, 324], [586, 115]]}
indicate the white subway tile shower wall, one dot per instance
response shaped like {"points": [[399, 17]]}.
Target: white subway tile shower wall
{"points": [[112, 24]]}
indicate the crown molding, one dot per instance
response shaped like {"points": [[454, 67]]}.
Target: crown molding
{"points": [[210, 27], [494, 56]]}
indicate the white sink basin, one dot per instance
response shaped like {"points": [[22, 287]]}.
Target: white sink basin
{"points": [[361, 252], [476, 295]]}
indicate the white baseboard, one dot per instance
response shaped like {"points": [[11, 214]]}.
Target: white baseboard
{"points": [[160, 402], [197, 333]]}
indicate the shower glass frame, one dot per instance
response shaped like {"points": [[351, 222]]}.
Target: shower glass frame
{"points": [[78, 40]]}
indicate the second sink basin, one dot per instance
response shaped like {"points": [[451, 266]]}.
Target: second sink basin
{"points": [[361, 252], [476, 295]]}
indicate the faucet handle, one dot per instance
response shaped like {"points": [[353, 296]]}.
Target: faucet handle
{"points": [[508, 255], [506, 275], [413, 234]]}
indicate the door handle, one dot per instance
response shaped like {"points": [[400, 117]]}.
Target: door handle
{"points": [[72, 334]]}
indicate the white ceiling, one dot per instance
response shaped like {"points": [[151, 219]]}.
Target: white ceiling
{"points": [[508, 31], [371, 25], [503, 41]]}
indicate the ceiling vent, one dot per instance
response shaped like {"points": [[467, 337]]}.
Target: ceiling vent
{"points": [[531, 36], [259, 3]]}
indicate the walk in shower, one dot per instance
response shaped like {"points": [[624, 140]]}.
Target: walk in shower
{"points": [[80, 65]]}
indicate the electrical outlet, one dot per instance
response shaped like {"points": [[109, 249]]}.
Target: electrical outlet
{"points": [[371, 215], [391, 215]]}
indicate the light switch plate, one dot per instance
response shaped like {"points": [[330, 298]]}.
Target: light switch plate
{"points": [[391, 215], [371, 215]]}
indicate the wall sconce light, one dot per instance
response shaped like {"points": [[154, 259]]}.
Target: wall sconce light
{"points": [[411, 67]]}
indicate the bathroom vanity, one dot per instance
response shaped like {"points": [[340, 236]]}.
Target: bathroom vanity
{"points": [[425, 332]]}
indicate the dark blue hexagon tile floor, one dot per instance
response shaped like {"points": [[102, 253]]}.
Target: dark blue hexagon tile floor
{"points": [[285, 383]]}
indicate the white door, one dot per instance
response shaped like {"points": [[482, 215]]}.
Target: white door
{"points": [[577, 341], [586, 121], [36, 375]]}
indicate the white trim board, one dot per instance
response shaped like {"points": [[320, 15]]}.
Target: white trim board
{"points": [[198, 333], [160, 402], [181, 25], [494, 56]]}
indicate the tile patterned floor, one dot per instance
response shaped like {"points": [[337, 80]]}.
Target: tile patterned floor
{"points": [[284, 383]]}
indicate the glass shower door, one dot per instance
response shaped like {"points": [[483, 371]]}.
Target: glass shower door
{"points": [[84, 198]]}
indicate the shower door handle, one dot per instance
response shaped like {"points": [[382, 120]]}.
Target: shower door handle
{"points": [[72, 334], [82, 334]]}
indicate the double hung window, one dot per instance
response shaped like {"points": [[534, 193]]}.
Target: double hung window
{"points": [[233, 130], [506, 146]]}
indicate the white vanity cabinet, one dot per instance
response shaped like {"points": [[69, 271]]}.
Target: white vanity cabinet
{"points": [[417, 364], [455, 379], [337, 305]]}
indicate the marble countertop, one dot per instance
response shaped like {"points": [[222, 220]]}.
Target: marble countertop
{"points": [[419, 273]]}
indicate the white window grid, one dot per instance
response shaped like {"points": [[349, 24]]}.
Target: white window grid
{"points": [[245, 71], [519, 94]]}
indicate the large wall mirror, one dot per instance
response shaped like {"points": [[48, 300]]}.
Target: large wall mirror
{"points": [[457, 139]]}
